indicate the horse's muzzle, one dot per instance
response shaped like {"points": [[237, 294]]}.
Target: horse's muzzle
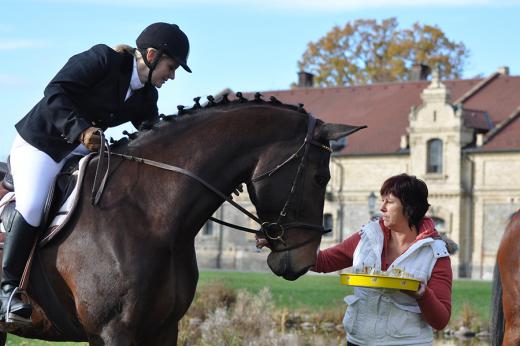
{"points": [[282, 265]]}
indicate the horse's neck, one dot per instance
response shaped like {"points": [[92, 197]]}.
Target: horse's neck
{"points": [[226, 144], [223, 151]]}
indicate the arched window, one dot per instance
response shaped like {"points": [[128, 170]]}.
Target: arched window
{"points": [[434, 158]]}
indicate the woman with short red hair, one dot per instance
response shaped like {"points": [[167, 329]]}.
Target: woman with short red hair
{"points": [[403, 238]]}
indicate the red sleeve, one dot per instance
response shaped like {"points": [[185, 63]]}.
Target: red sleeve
{"points": [[337, 257], [435, 304]]}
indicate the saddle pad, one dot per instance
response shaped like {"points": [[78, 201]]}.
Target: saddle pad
{"points": [[4, 202], [66, 210]]}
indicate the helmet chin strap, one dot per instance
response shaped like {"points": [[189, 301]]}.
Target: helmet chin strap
{"points": [[153, 64]]}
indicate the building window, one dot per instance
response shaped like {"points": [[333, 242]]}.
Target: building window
{"points": [[207, 229], [328, 223], [434, 158]]}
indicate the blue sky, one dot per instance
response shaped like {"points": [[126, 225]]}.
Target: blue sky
{"points": [[244, 45]]}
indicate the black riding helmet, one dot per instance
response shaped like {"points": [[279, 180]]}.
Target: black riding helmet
{"points": [[168, 39]]}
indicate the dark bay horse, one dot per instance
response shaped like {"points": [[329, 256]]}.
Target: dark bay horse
{"points": [[125, 270], [505, 323]]}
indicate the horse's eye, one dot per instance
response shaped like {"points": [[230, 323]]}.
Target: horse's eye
{"points": [[322, 179]]}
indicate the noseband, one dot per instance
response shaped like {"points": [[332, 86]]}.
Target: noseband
{"points": [[272, 231]]}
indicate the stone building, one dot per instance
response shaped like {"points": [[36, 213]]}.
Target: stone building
{"points": [[460, 136]]}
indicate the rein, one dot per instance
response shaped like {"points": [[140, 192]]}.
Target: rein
{"points": [[272, 231]]}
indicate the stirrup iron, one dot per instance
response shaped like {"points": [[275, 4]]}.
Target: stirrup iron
{"points": [[14, 318]]}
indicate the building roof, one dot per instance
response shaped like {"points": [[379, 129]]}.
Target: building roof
{"points": [[477, 119], [385, 109], [505, 135]]}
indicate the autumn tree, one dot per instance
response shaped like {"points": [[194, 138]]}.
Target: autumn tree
{"points": [[365, 51]]}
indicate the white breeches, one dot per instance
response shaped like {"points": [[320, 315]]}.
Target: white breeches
{"points": [[34, 172]]}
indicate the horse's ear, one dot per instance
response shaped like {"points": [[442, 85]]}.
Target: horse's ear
{"points": [[329, 132]]}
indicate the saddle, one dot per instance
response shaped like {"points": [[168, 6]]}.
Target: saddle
{"points": [[60, 202]]}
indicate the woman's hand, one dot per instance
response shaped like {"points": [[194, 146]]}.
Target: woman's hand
{"points": [[419, 293], [261, 242], [91, 138]]}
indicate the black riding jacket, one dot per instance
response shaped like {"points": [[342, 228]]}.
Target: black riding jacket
{"points": [[89, 90]]}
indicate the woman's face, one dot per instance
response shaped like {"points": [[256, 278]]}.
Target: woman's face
{"points": [[393, 212], [164, 70]]}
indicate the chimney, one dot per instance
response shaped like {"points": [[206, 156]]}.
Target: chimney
{"points": [[420, 71], [503, 70], [305, 79]]}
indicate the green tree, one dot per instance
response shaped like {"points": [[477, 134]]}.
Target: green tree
{"points": [[365, 51]]}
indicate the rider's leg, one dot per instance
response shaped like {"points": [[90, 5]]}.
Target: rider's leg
{"points": [[34, 173], [19, 240]]}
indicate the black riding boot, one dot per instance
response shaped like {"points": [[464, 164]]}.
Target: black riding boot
{"points": [[18, 244]]}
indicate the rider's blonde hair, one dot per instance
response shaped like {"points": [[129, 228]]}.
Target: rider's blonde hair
{"points": [[124, 48]]}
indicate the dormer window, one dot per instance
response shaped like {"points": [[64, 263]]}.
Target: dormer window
{"points": [[434, 157]]}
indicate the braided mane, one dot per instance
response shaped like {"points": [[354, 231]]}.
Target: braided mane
{"points": [[224, 101]]}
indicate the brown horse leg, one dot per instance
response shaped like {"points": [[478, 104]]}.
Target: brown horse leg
{"points": [[512, 323], [511, 309], [3, 339], [512, 334]]}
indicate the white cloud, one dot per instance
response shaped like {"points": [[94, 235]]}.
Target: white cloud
{"points": [[15, 44], [295, 5]]}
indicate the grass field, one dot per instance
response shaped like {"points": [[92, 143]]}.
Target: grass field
{"points": [[322, 292], [318, 292]]}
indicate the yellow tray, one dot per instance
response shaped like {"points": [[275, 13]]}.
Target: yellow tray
{"points": [[379, 281]]}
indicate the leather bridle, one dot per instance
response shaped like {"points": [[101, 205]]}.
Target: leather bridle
{"points": [[273, 232]]}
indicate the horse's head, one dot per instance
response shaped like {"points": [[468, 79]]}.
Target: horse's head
{"points": [[289, 193]]}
